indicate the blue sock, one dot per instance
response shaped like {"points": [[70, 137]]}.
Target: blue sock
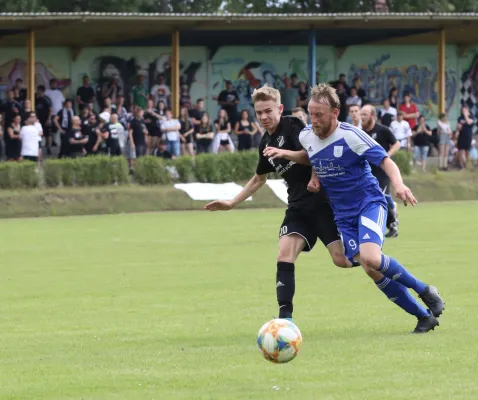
{"points": [[392, 269], [399, 294]]}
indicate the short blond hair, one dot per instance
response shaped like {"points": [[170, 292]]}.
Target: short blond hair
{"points": [[266, 93], [323, 93]]}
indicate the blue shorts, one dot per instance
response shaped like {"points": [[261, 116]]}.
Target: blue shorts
{"points": [[368, 227]]}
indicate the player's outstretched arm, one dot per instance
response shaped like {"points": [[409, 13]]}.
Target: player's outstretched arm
{"points": [[256, 182], [299, 157], [401, 191]]}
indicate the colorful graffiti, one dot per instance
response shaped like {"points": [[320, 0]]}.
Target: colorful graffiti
{"points": [[127, 70], [250, 68], [18, 69], [420, 81]]}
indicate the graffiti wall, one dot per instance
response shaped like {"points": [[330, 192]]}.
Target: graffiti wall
{"points": [[249, 67], [412, 69], [469, 81], [126, 64], [50, 63]]}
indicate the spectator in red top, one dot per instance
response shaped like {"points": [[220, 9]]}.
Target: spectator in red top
{"points": [[410, 110]]}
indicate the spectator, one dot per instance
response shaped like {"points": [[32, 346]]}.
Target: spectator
{"points": [[185, 98], [27, 109], [76, 140], [84, 115], [171, 126], [342, 81], [355, 115], [137, 134], [13, 144], [2, 141], [353, 99], [297, 112], [63, 121], [401, 130], [289, 97], [20, 93], [341, 92], [121, 111], [204, 134], [151, 120], [163, 152], [56, 97], [139, 93], [294, 81], [245, 129], [444, 136], [107, 105], [93, 134], [30, 138], [410, 110], [44, 112], [302, 96], [112, 131], [228, 100], [421, 140], [186, 132], [465, 136], [393, 97], [357, 84], [85, 94], [223, 129], [111, 89], [161, 92], [11, 108], [387, 113], [198, 112]]}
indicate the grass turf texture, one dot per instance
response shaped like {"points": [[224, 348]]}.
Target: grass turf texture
{"points": [[167, 306], [133, 198]]}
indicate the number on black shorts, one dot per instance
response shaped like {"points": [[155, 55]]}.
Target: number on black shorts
{"points": [[283, 230]]}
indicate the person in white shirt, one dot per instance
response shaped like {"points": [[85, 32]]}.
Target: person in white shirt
{"points": [[161, 92], [353, 99], [171, 127], [355, 116], [56, 97], [30, 138], [388, 113], [403, 133]]}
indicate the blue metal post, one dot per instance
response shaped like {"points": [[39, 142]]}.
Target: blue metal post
{"points": [[312, 57]]}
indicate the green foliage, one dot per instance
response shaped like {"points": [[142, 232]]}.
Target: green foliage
{"points": [[151, 170], [89, 171], [16, 175], [403, 160], [185, 166]]}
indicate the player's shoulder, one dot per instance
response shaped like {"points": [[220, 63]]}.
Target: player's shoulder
{"points": [[382, 128], [306, 132], [292, 125]]}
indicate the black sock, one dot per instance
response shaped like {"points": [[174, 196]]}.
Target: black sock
{"points": [[285, 288]]}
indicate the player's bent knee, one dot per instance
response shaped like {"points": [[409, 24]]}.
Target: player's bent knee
{"points": [[340, 260], [371, 260]]}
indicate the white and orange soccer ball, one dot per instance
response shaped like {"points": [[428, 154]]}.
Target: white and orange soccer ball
{"points": [[279, 340]]}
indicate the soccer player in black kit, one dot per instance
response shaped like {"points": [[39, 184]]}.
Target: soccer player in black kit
{"points": [[308, 215], [385, 138]]}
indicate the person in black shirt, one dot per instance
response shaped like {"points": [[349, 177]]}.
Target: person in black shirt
{"points": [[385, 138], [197, 112], [308, 214], [77, 140], [63, 122], [162, 152], [186, 132], [44, 112], [245, 129], [151, 118], [93, 134], [137, 134], [465, 136], [11, 108], [204, 134], [111, 132], [228, 100], [421, 137], [85, 94]]}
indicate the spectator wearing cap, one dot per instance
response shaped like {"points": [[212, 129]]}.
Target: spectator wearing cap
{"points": [[229, 100], [162, 151], [85, 94]]}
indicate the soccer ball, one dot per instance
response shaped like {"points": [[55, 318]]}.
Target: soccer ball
{"points": [[279, 341]]}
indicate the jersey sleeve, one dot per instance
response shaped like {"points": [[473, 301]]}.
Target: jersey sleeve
{"points": [[264, 166], [365, 147]]}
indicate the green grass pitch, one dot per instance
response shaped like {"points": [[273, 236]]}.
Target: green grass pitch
{"points": [[167, 306]]}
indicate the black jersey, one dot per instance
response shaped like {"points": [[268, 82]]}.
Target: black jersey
{"points": [[296, 176], [385, 138]]}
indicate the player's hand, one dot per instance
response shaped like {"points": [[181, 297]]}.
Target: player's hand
{"points": [[219, 205], [273, 152], [405, 194], [313, 185]]}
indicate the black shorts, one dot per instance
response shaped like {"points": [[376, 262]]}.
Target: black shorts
{"points": [[224, 143], [384, 183], [311, 224], [30, 158]]}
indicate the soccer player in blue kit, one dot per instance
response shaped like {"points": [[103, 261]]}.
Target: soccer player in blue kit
{"points": [[341, 155]]}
